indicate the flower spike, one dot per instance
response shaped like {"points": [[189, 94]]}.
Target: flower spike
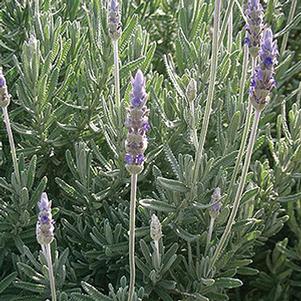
{"points": [[254, 26], [263, 80], [138, 125]]}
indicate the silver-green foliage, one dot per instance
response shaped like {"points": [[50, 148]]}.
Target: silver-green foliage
{"points": [[58, 60]]}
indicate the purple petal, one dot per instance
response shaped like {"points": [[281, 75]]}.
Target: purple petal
{"points": [[136, 102], [139, 159], [2, 81], [44, 203], [128, 159]]}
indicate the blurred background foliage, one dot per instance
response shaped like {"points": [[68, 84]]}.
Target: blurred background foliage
{"points": [[58, 61]]}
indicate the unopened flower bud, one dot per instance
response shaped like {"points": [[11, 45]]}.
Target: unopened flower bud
{"points": [[155, 228], [191, 90]]}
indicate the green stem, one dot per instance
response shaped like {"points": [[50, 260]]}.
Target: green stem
{"points": [[245, 65], [239, 192], [209, 236], [230, 31], [193, 128], [132, 236], [11, 143], [211, 89], [116, 76], [47, 253], [247, 122], [225, 22], [290, 18], [157, 251]]}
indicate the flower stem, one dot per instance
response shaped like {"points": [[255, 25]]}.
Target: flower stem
{"points": [[211, 88], [247, 122], [244, 72], [132, 236], [157, 251], [116, 77], [239, 191], [47, 253], [11, 143], [193, 128], [230, 31], [225, 22], [290, 17], [209, 236]]}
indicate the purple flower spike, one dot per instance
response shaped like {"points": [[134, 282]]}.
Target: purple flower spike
{"points": [[254, 26], [263, 80], [44, 228], [137, 125], [114, 20]]}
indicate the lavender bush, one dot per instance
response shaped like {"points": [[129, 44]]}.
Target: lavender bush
{"points": [[166, 134]]}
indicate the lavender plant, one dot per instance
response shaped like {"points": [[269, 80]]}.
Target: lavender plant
{"points": [[262, 83], [254, 28], [58, 64]]}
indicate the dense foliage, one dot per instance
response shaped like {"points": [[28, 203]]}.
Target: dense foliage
{"points": [[57, 58]]}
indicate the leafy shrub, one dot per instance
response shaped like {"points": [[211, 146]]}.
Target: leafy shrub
{"points": [[59, 66]]}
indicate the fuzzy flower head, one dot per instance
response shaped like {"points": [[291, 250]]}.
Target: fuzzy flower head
{"points": [[114, 22], [44, 228], [137, 125], [254, 26], [155, 228], [4, 96], [215, 208], [263, 80]]}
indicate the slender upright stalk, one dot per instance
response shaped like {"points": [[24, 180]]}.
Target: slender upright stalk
{"points": [[209, 235], [246, 126], [11, 143], [47, 253], [116, 74], [135, 146], [225, 22], [239, 192], [290, 18], [230, 32], [132, 236], [157, 250], [193, 128], [244, 73], [211, 90]]}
